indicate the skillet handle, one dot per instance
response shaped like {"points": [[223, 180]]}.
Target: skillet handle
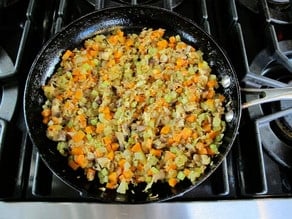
{"points": [[269, 95]]}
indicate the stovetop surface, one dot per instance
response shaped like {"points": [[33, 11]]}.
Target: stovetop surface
{"points": [[245, 30]]}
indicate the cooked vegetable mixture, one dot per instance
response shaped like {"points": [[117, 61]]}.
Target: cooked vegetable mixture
{"points": [[133, 108]]}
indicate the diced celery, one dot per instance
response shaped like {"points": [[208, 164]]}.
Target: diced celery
{"points": [[180, 160], [103, 175], [216, 122], [93, 121], [214, 148], [123, 187], [62, 147], [181, 175]]}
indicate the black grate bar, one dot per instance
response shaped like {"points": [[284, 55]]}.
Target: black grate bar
{"points": [[262, 124], [278, 54], [42, 180], [23, 41], [99, 4]]}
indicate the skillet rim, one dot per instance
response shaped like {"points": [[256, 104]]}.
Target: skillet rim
{"points": [[45, 47]]}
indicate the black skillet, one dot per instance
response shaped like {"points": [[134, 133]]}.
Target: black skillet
{"points": [[130, 19]]}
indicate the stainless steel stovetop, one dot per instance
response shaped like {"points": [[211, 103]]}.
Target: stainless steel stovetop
{"points": [[256, 175]]}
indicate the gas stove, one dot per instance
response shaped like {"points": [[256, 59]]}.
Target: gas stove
{"points": [[257, 37]]}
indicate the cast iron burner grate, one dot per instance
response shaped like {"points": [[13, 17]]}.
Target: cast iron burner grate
{"points": [[276, 11], [276, 138], [247, 172], [169, 4]]}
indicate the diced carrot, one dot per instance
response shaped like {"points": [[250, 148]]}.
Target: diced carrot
{"points": [[194, 98], [78, 136], [203, 151], [78, 94], [129, 85], [73, 164], [140, 98], [111, 185], [46, 120], [177, 137], [213, 134], [210, 94], [67, 54], [107, 140], [129, 42], [209, 151], [172, 39], [221, 97], [181, 62], [170, 166], [89, 129], [169, 155], [201, 148], [181, 45], [196, 78], [149, 172], [95, 46], [46, 112], [122, 162], [157, 33], [136, 147], [92, 53], [110, 63], [77, 150], [156, 152], [140, 167], [142, 49], [165, 129], [118, 54], [186, 171], [188, 83], [56, 120], [212, 83], [81, 118], [115, 146], [162, 44], [191, 118], [113, 39], [98, 153], [107, 113], [128, 174], [186, 133], [195, 135], [81, 160], [111, 155], [99, 128], [172, 182], [207, 127], [210, 103], [90, 173], [112, 177], [179, 90]]}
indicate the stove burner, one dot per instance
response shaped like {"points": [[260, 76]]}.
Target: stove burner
{"points": [[276, 131], [283, 125]]}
